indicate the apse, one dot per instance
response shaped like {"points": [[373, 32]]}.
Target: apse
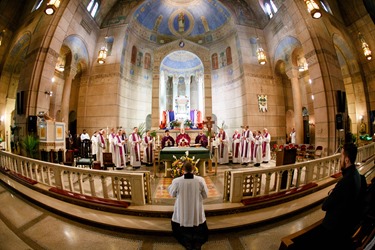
{"points": [[181, 95]]}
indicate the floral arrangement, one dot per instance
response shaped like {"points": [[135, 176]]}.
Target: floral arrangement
{"points": [[188, 123], [174, 123], [178, 163]]}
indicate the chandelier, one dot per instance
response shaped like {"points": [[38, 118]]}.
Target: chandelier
{"points": [[313, 9], [51, 7]]}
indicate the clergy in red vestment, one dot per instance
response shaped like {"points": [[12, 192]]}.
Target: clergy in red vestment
{"points": [[167, 140], [183, 140], [148, 148], [236, 147], [201, 139]]}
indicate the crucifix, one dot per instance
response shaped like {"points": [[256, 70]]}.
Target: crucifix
{"points": [[209, 124]]}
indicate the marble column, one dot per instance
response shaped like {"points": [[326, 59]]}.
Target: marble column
{"points": [[297, 103], [66, 96]]}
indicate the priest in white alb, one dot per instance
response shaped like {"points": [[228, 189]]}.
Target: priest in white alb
{"points": [[189, 220], [135, 149], [223, 140], [236, 147], [119, 151], [148, 148], [266, 148], [246, 152]]}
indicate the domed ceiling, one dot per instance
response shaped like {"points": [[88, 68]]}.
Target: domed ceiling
{"points": [[181, 61], [200, 21], [182, 18]]}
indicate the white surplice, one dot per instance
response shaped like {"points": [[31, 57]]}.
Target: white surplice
{"points": [[188, 208]]}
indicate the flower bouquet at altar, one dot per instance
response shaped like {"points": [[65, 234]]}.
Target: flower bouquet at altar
{"points": [[188, 123], [178, 163], [174, 124]]}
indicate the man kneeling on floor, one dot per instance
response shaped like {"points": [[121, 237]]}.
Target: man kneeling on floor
{"points": [[189, 220]]}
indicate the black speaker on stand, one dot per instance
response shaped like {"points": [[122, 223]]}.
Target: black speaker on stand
{"points": [[339, 122], [31, 123], [341, 101]]}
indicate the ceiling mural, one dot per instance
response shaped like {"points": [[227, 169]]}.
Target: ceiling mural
{"points": [[200, 21]]}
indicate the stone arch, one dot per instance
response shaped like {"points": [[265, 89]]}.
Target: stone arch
{"points": [[202, 53], [11, 82], [75, 56], [353, 83]]}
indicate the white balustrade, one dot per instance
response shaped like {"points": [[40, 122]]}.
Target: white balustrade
{"points": [[96, 183]]}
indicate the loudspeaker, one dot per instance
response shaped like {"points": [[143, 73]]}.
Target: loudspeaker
{"points": [[341, 101], [20, 103], [339, 122], [31, 124]]}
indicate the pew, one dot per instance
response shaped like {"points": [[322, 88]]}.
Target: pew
{"points": [[363, 236]]}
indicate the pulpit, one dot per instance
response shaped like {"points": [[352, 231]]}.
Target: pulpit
{"points": [[285, 157]]}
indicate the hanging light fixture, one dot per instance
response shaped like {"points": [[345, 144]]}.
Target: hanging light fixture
{"points": [[365, 47], [51, 7], [261, 55], [313, 9], [262, 59], [102, 55], [2, 34]]}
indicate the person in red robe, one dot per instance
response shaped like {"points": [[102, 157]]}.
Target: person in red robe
{"points": [[201, 139], [167, 140], [183, 140]]}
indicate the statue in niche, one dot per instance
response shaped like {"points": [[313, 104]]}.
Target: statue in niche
{"points": [[181, 90], [181, 22], [215, 62]]}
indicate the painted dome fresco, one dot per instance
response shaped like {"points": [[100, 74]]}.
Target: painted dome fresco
{"points": [[200, 21], [193, 18]]}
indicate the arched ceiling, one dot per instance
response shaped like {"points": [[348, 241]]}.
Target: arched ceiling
{"points": [[181, 61], [196, 20]]}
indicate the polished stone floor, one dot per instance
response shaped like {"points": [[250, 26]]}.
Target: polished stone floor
{"points": [[24, 225]]}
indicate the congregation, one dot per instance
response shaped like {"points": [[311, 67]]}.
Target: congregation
{"points": [[247, 147]]}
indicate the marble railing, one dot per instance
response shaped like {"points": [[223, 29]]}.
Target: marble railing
{"points": [[239, 184], [134, 187]]}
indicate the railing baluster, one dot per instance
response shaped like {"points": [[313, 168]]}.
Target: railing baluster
{"points": [[92, 185], [104, 186]]}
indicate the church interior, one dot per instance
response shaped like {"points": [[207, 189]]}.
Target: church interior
{"points": [[73, 65]]}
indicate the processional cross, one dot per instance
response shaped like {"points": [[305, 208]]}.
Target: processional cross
{"points": [[209, 124]]}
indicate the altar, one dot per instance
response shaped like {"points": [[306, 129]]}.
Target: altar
{"points": [[166, 155]]}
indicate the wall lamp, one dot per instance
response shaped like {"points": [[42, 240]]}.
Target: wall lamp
{"points": [[48, 93]]}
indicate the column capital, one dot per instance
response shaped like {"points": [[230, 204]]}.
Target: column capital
{"points": [[292, 72]]}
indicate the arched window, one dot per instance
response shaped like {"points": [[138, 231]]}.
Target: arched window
{"points": [[270, 8], [37, 5], [228, 51], [134, 55], [147, 64], [93, 7], [325, 6], [215, 61]]}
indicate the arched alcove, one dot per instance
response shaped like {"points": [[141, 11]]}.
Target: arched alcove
{"points": [[181, 92]]}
